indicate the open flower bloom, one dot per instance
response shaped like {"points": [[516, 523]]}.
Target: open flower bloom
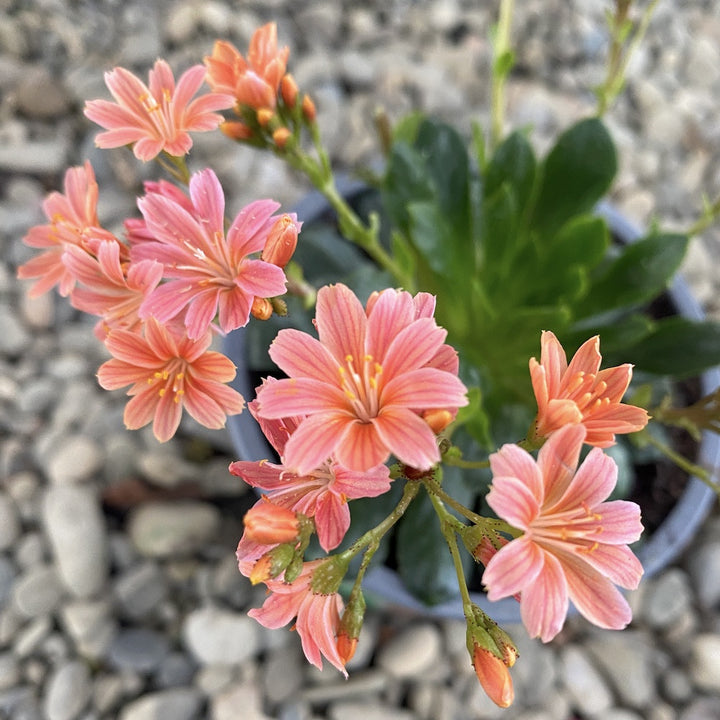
{"points": [[318, 615], [110, 288], [574, 546], [582, 393], [255, 81], [363, 385], [321, 493], [73, 222], [136, 230], [156, 117], [168, 372], [209, 272]]}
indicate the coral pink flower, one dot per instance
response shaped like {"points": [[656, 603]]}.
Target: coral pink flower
{"points": [[255, 81], [582, 393], [110, 288], [73, 221], [168, 372], [159, 117], [574, 547], [209, 272], [363, 385], [321, 493], [318, 615]]}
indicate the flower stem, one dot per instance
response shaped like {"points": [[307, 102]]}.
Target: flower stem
{"points": [[502, 62]]}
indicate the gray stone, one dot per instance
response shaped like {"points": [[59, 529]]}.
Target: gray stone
{"points": [[138, 649], [67, 692], [14, 338], [38, 157], [705, 662], [141, 589], [9, 671], [706, 708], [218, 636], [667, 598], [29, 638], [90, 625], [168, 529], [704, 568], [368, 711], [77, 459], [76, 528], [9, 522], [586, 686], [412, 651], [176, 670], [38, 591], [7, 576], [246, 696], [177, 703], [282, 675], [40, 95]]}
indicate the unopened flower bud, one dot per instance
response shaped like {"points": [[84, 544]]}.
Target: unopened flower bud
{"points": [[308, 109], [438, 420], [494, 676], [293, 570], [264, 116], [350, 626], [261, 308], [289, 90], [281, 242], [267, 524], [281, 137], [328, 575], [236, 130], [272, 563]]}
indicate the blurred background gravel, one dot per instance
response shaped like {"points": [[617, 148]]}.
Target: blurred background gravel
{"points": [[119, 594]]}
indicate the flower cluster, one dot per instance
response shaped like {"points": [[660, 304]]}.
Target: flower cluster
{"points": [[384, 393]]}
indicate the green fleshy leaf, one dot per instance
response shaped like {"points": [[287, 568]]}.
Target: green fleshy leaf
{"points": [[514, 164]]}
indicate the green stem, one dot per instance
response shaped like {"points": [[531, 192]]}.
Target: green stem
{"points": [[500, 71], [467, 464], [682, 462], [709, 216]]}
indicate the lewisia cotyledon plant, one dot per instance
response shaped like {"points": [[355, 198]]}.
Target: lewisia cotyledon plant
{"points": [[371, 403]]}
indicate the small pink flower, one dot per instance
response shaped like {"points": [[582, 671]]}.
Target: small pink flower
{"points": [[168, 372], [318, 615], [253, 82], [582, 393], [364, 384], [159, 117], [209, 272], [110, 288], [321, 493], [136, 230], [574, 546], [73, 222]]}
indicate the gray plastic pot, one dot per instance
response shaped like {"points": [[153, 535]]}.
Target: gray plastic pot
{"points": [[382, 585]]}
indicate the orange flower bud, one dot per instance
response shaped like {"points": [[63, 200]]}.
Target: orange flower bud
{"points": [[261, 308], [308, 109], [264, 116], [494, 676], [236, 130], [438, 420], [346, 647], [281, 241], [267, 524], [289, 90], [281, 136], [272, 563]]}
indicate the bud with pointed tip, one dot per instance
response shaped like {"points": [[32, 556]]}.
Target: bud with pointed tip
{"points": [[289, 90]]}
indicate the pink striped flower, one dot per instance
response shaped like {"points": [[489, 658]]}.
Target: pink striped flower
{"points": [[156, 117], [209, 272], [582, 393], [73, 222], [167, 372], [574, 546], [317, 613], [364, 385], [136, 230], [253, 82], [110, 288], [321, 493]]}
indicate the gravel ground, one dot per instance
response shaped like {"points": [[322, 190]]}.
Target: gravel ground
{"points": [[119, 595]]}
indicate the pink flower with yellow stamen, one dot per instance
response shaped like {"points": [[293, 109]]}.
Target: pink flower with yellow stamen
{"points": [[582, 393], [167, 372], [364, 384], [575, 543], [110, 288], [73, 222], [253, 82], [209, 272], [156, 117], [322, 493], [317, 613]]}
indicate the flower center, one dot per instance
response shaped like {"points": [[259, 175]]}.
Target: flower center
{"points": [[587, 392], [170, 379], [360, 383], [576, 526]]}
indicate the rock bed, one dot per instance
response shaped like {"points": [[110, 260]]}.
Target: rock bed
{"points": [[119, 595]]}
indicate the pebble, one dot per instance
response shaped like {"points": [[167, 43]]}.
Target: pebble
{"points": [[139, 649], [9, 671], [40, 95], [67, 692], [412, 651], [667, 598], [169, 529], [38, 591], [705, 662], [10, 527], [141, 589], [216, 636], [585, 684], [246, 696], [76, 529], [368, 711], [177, 703], [704, 568], [76, 460], [90, 625]]}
